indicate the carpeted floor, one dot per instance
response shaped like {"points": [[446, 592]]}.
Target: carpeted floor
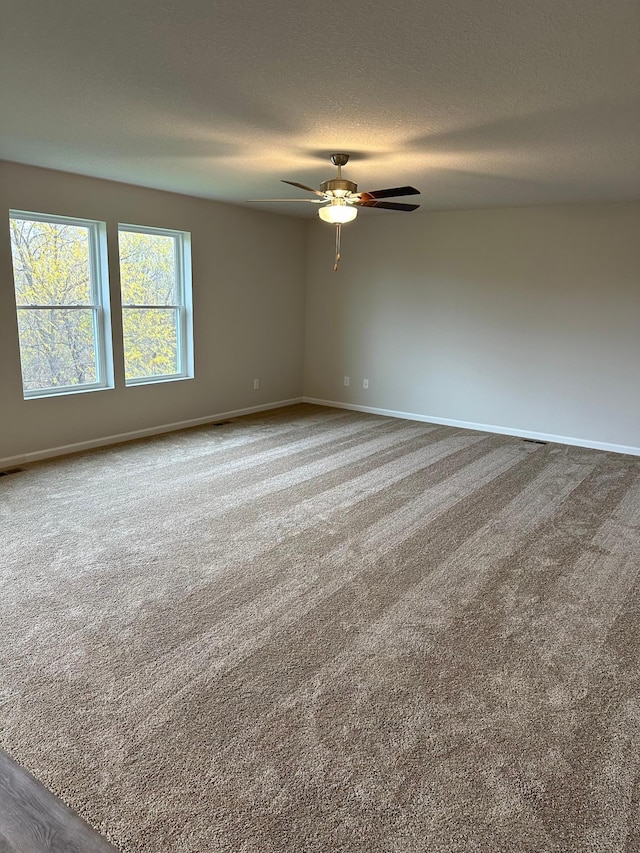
{"points": [[319, 630]]}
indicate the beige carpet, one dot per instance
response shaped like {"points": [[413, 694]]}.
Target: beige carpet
{"points": [[318, 630]]}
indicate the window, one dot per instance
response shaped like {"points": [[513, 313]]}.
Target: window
{"points": [[61, 287], [155, 277]]}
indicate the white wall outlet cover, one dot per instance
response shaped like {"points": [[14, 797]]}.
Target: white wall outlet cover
{"points": [[346, 381], [365, 383], [256, 384]]}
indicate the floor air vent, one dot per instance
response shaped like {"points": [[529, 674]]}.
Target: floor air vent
{"points": [[534, 441], [220, 423], [10, 471]]}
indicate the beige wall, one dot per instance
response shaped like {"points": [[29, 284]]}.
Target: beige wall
{"points": [[524, 319], [248, 294]]}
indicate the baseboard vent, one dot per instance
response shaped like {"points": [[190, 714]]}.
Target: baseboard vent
{"points": [[221, 423], [534, 441], [10, 471]]}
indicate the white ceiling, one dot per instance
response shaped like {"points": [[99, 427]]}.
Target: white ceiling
{"points": [[477, 103]]}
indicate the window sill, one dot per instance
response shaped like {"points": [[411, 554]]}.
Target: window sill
{"points": [[48, 393], [156, 380]]}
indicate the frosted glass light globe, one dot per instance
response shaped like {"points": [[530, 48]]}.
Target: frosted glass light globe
{"points": [[338, 212]]}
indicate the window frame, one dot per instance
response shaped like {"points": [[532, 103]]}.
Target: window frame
{"points": [[183, 306], [100, 304]]}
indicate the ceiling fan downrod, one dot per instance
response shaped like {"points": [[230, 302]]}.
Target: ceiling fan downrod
{"points": [[339, 187], [339, 160]]}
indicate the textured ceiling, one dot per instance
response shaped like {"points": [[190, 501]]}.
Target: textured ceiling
{"points": [[476, 102]]}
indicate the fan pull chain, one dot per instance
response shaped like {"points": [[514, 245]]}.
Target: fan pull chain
{"points": [[338, 236]]}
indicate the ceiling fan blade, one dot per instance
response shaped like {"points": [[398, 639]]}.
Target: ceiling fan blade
{"points": [[387, 205], [305, 200], [393, 192], [302, 187]]}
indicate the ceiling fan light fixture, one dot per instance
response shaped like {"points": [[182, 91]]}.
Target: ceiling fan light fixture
{"points": [[340, 199], [338, 212]]}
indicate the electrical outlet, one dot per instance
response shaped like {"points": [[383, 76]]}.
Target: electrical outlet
{"points": [[346, 381], [365, 383], [256, 384]]}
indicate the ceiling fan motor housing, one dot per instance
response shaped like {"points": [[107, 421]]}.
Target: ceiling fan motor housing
{"points": [[338, 187]]}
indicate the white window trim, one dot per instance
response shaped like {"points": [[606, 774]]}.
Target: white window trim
{"points": [[183, 289], [100, 305]]}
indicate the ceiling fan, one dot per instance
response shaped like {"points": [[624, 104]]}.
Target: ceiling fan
{"points": [[340, 199]]}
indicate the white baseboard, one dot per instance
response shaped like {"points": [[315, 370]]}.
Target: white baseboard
{"points": [[77, 447], [519, 433], [48, 453]]}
